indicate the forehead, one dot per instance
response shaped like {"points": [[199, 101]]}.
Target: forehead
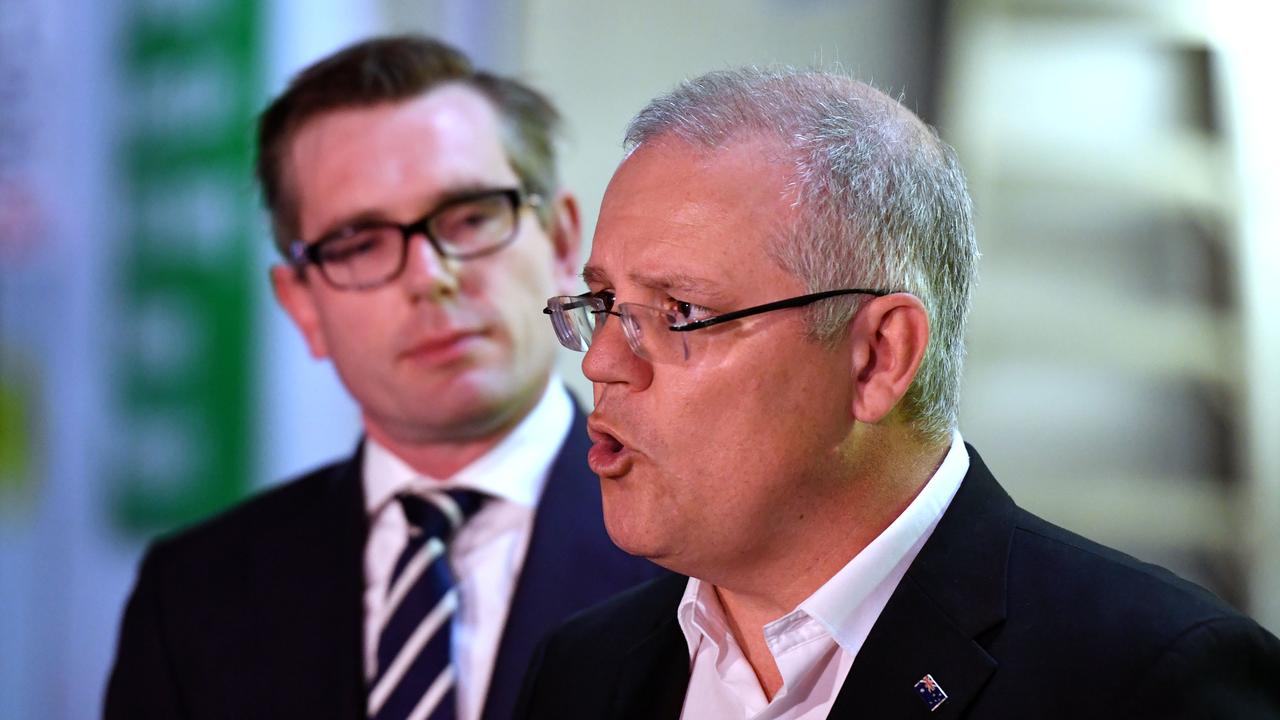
{"points": [[396, 156], [687, 215]]}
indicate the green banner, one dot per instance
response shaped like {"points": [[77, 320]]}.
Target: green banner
{"points": [[183, 361]]}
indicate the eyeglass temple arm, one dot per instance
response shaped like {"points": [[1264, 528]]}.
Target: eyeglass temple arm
{"points": [[779, 305]]}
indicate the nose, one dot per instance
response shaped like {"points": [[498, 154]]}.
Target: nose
{"points": [[427, 272], [610, 360]]}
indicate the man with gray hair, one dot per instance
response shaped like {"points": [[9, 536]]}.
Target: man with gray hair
{"points": [[779, 283]]}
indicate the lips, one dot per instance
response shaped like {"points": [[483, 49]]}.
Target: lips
{"points": [[442, 348], [609, 456]]}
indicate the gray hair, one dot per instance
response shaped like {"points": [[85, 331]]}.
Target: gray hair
{"points": [[881, 202]]}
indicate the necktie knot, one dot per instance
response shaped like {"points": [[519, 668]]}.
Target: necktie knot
{"points": [[441, 514]]}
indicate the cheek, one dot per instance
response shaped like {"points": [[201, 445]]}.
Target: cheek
{"points": [[516, 290], [706, 439], [751, 421], [365, 324], [352, 335], [516, 281]]}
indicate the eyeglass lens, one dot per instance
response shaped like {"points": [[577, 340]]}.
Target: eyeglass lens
{"points": [[576, 320], [474, 226], [369, 255]]}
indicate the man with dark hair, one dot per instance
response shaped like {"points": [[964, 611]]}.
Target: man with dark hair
{"points": [[779, 285], [416, 204]]}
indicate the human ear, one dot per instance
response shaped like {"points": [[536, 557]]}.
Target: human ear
{"points": [[566, 241], [889, 336], [294, 294]]}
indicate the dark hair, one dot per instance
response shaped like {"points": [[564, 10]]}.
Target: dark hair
{"points": [[391, 69]]}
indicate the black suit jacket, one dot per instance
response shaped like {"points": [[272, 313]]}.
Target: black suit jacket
{"points": [[1013, 617], [259, 612]]}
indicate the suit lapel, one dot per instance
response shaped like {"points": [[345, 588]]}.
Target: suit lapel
{"points": [[953, 591], [912, 638], [350, 533], [316, 583], [654, 675]]}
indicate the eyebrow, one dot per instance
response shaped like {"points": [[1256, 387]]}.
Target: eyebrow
{"points": [[591, 274], [461, 191], [667, 281]]}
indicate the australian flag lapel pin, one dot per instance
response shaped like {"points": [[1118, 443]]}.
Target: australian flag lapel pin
{"points": [[930, 692]]}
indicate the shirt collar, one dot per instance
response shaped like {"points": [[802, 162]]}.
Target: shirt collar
{"points": [[847, 604], [513, 470], [701, 616]]}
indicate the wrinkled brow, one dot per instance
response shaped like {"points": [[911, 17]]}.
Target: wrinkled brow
{"points": [[677, 282], [595, 275]]}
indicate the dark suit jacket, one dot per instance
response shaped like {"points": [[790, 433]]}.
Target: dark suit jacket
{"points": [[1013, 617], [259, 613]]}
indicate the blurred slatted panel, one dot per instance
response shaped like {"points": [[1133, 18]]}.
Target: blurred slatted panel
{"points": [[1112, 356]]}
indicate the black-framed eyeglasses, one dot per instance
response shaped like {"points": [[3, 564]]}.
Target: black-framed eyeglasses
{"points": [[367, 254], [652, 333]]}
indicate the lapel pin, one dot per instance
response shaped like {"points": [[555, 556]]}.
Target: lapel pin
{"points": [[930, 692]]}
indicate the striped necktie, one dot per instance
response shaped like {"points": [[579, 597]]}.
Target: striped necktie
{"points": [[415, 678]]}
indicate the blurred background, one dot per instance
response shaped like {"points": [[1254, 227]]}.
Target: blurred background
{"points": [[1124, 375]]}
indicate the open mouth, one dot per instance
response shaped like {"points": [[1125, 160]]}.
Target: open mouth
{"points": [[608, 457]]}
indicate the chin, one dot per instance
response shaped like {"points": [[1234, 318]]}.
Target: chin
{"points": [[476, 390], [634, 536], [625, 542]]}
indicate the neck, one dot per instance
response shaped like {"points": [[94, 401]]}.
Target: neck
{"points": [[441, 454], [835, 525], [437, 460], [746, 617]]}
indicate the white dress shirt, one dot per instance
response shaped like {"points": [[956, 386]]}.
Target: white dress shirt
{"points": [[488, 551], [814, 645]]}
